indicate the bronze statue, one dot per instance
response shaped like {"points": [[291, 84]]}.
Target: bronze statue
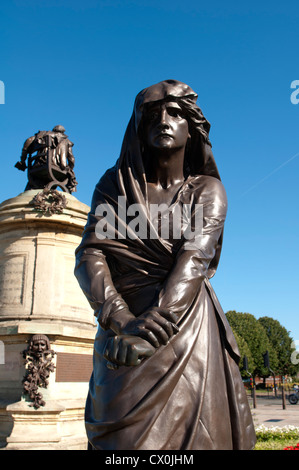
{"points": [[166, 373], [38, 357], [50, 160]]}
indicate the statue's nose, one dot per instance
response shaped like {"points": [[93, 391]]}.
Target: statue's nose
{"points": [[164, 118]]}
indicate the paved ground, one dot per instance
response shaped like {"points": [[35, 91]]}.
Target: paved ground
{"points": [[270, 412]]}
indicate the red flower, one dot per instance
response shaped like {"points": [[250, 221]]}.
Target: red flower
{"points": [[292, 447]]}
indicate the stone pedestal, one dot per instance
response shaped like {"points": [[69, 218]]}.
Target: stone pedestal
{"points": [[39, 294]]}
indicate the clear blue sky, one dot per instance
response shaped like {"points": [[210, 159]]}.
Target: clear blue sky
{"points": [[81, 64]]}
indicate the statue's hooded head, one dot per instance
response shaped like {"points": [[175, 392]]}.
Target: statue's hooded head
{"points": [[198, 158]]}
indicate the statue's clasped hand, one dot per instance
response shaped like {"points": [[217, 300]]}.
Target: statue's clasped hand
{"points": [[138, 337], [155, 325], [126, 351]]}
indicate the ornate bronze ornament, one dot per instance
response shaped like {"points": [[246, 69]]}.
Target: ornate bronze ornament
{"points": [[38, 362], [49, 201]]}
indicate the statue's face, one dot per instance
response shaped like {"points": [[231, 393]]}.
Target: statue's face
{"points": [[165, 126], [39, 346]]}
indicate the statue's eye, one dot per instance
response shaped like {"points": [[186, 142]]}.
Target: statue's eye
{"points": [[174, 112], [152, 115]]}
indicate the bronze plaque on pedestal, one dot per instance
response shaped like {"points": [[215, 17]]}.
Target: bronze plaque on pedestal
{"points": [[73, 367]]}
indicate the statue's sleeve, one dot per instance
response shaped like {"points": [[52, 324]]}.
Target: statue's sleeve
{"points": [[26, 146], [93, 273], [95, 280], [193, 260]]}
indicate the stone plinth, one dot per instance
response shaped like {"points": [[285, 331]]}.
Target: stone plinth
{"points": [[39, 294]]}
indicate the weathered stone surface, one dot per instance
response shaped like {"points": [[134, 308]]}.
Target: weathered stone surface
{"points": [[37, 262], [39, 294]]}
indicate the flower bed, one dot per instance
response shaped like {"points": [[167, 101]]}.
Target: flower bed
{"points": [[277, 438], [296, 447]]}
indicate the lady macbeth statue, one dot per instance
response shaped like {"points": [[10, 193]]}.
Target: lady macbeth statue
{"points": [[166, 373]]}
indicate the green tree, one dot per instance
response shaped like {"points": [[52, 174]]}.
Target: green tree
{"points": [[244, 351], [252, 331], [281, 341]]}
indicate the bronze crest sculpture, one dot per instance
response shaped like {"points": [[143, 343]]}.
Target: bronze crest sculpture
{"points": [[39, 363]]}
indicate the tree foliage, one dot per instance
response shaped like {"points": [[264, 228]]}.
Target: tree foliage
{"points": [[256, 336], [253, 332], [244, 351], [282, 343]]}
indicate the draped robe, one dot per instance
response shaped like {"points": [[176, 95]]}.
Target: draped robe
{"points": [[189, 394]]}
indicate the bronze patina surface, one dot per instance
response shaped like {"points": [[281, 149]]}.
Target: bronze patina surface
{"points": [[172, 380]]}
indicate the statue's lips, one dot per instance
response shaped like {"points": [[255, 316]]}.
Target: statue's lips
{"points": [[163, 134]]}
